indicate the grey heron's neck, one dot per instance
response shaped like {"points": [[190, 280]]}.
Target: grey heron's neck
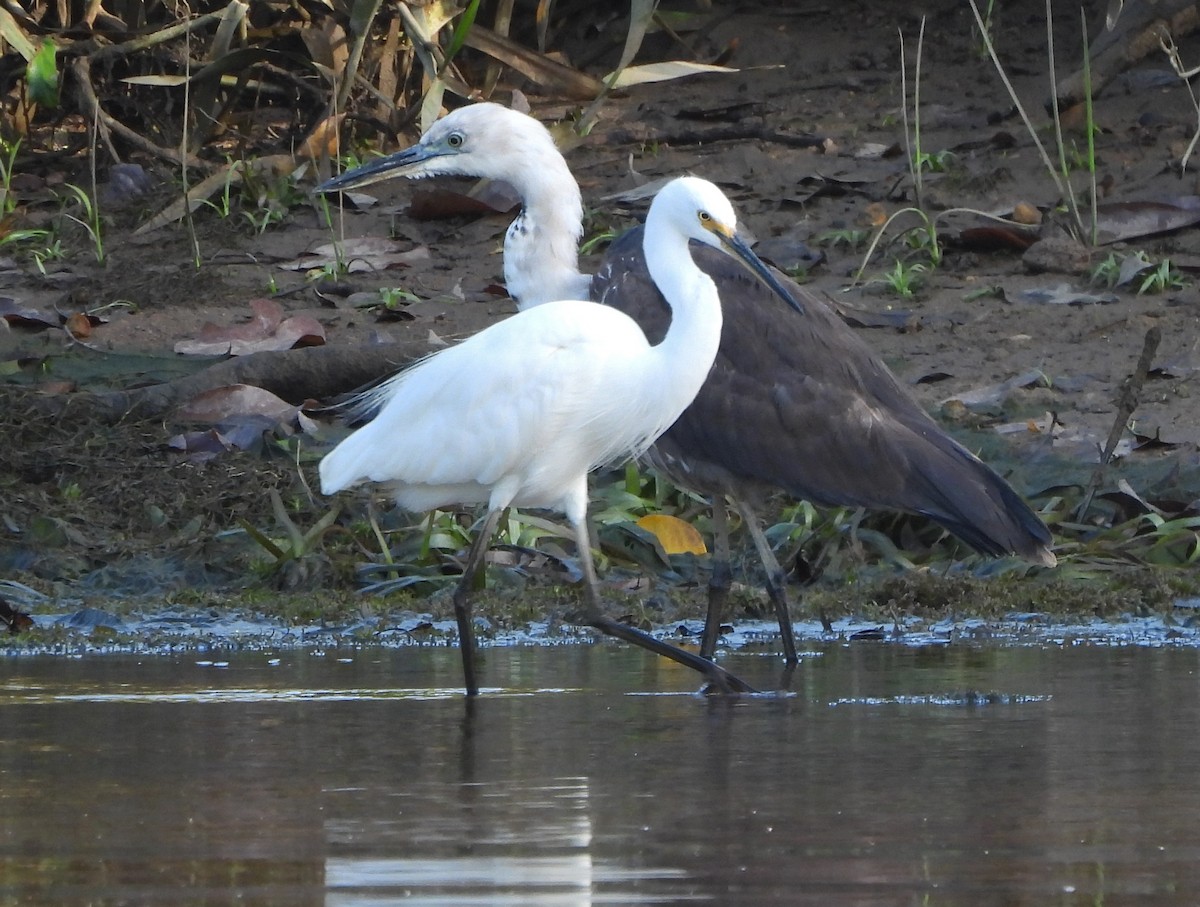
{"points": [[541, 247]]}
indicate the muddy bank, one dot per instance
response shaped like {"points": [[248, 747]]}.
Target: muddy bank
{"points": [[97, 511]]}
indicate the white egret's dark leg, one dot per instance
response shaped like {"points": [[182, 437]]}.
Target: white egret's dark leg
{"points": [[719, 581], [594, 617], [462, 599], [776, 579]]}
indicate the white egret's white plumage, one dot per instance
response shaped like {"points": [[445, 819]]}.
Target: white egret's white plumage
{"points": [[519, 413], [800, 404]]}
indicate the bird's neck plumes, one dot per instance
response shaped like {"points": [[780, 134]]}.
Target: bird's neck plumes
{"points": [[541, 248]]}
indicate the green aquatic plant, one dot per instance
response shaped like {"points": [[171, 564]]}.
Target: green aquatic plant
{"points": [[1106, 273], [1162, 277], [90, 220], [904, 278], [846, 237], [8, 162]]}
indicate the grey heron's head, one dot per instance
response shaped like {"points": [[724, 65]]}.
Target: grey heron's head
{"points": [[480, 140]]}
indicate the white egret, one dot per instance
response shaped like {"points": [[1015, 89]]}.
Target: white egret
{"points": [[519, 413], [800, 404]]}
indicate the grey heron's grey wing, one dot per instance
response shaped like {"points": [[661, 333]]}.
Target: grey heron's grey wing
{"points": [[623, 282], [800, 402]]}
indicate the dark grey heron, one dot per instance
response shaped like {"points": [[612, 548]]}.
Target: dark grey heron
{"points": [[799, 404], [518, 414]]}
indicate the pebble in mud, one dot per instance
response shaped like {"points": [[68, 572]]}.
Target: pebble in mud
{"points": [[1057, 254]]}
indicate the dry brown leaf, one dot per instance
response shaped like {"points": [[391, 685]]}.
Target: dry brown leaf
{"points": [[16, 314], [267, 331], [193, 198], [232, 401], [534, 66], [322, 142]]}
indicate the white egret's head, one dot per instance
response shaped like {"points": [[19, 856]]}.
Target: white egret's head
{"points": [[481, 140]]}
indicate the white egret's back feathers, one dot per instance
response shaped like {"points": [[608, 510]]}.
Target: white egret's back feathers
{"points": [[518, 414]]}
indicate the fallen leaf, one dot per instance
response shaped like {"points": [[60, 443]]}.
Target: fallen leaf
{"points": [[536, 67], [897, 319], [993, 394], [1132, 219], [489, 197], [675, 535], [233, 400], [662, 72], [232, 175], [298, 331], [1131, 267], [267, 331], [996, 239], [16, 314], [244, 432], [322, 142], [203, 444], [1063, 294]]}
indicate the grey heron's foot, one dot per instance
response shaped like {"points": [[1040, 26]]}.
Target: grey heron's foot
{"points": [[723, 681], [719, 583], [775, 591], [826, 623]]}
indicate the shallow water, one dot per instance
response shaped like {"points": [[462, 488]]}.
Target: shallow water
{"points": [[940, 774]]}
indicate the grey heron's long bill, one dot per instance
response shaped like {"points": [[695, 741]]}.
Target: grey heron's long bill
{"points": [[382, 168], [736, 247]]}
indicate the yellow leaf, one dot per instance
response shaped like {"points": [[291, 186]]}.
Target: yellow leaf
{"points": [[662, 72], [676, 536]]}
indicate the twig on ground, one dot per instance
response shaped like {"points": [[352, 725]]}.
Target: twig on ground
{"points": [[320, 372], [1127, 402]]}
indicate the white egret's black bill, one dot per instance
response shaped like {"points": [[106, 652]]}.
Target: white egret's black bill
{"points": [[738, 248], [379, 169]]}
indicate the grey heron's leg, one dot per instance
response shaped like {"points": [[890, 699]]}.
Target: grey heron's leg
{"points": [[462, 599], [594, 617], [719, 580], [776, 580]]}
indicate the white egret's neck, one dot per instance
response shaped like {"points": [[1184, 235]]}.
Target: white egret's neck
{"points": [[686, 353], [541, 248]]}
